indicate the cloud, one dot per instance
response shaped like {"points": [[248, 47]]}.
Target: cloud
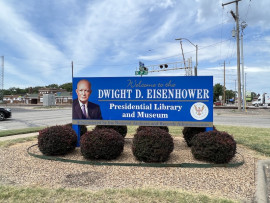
{"points": [[258, 70], [12, 75], [34, 52], [40, 39]]}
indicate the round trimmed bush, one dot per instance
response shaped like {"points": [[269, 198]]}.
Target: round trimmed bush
{"points": [[213, 146], [83, 128], [152, 145], [122, 129], [160, 127], [190, 132], [102, 144], [57, 140]]}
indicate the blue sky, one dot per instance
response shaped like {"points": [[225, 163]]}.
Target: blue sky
{"points": [[40, 38]]}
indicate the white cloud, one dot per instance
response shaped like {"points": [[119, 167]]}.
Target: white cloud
{"points": [[161, 4], [40, 44], [36, 52], [258, 70]]}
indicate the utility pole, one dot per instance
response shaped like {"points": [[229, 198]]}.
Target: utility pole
{"points": [[2, 81], [245, 89], [243, 26], [243, 79], [72, 69], [224, 87], [196, 69], [236, 18]]}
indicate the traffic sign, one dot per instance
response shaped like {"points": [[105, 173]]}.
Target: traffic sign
{"points": [[144, 72]]}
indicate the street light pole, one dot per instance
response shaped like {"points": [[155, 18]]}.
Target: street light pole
{"points": [[196, 46]]}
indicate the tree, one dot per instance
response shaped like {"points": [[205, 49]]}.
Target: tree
{"points": [[218, 91], [67, 86], [230, 94], [53, 86]]}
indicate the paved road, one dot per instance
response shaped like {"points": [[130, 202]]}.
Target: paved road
{"points": [[252, 118], [24, 117], [29, 117]]}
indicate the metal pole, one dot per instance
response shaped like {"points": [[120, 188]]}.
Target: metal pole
{"points": [[243, 74], [72, 69], [196, 46], [224, 88], [238, 51], [238, 58], [2, 81], [196, 68], [245, 89], [183, 54]]}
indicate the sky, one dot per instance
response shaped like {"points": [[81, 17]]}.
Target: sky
{"points": [[40, 38]]}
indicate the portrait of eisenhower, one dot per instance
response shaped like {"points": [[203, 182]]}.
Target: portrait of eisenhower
{"points": [[81, 107]]}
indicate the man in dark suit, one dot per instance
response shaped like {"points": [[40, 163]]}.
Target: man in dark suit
{"points": [[81, 107]]}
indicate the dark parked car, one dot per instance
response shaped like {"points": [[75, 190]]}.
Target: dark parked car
{"points": [[4, 113]]}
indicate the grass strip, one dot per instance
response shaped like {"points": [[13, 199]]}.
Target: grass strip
{"points": [[257, 139], [9, 143], [28, 194], [19, 131]]}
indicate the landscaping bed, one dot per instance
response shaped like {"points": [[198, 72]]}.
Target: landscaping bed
{"points": [[19, 168]]}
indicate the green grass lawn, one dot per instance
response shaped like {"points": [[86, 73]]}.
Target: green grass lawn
{"points": [[27, 194], [257, 139]]}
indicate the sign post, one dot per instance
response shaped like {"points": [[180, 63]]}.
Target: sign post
{"points": [[77, 129]]}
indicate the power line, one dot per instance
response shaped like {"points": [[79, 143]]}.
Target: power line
{"points": [[249, 5], [221, 34], [214, 44]]}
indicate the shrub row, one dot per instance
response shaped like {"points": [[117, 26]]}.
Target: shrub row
{"points": [[57, 140], [190, 132], [150, 144], [213, 146]]}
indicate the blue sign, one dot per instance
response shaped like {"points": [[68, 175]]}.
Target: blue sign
{"points": [[152, 101]]}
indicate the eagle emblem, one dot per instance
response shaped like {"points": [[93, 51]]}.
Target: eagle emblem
{"points": [[198, 110]]}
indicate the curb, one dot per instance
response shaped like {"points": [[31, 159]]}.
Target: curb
{"points": [[261, 195]]}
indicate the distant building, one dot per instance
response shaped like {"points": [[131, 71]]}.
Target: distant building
{"points": [[61, 97], [50, 91], [13, 99]]}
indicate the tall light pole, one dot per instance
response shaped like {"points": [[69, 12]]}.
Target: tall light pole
{"points": [[196, 46]]}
